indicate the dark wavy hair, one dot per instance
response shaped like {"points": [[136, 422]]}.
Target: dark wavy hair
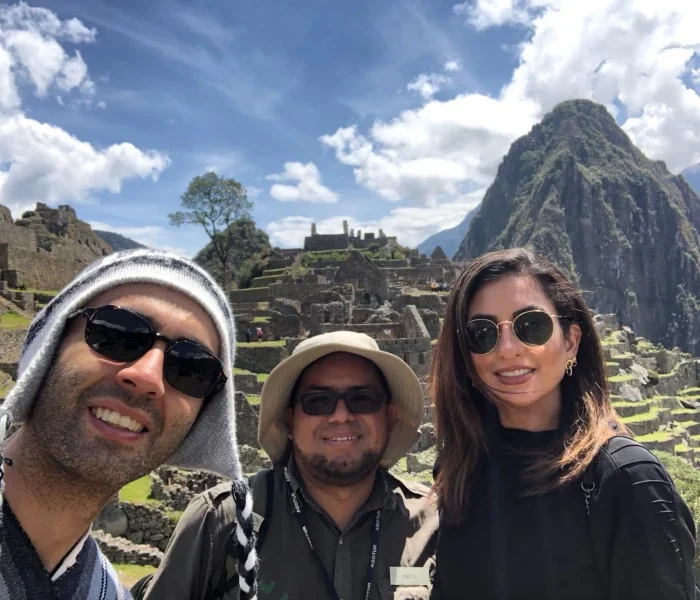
{"points": [[587, 417]]}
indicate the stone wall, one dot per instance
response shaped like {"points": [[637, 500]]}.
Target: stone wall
{"points": [[11, 341], [147, 525], [259, 359], [377, 331], [16, 236], [121, 551], [248, 384], [176, 487], [246, 422], [413, 326], [295, 291], [249, 295], [42, 270], [316, 243], [431, 301]]}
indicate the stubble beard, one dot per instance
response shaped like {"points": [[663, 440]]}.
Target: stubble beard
{"points": [[62, 443], [343, 472]]}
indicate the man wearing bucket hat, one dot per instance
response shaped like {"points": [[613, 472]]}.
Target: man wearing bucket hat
{"points": [[332, 521], [126, 368]]}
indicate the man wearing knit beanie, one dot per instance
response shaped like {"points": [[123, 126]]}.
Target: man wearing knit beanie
{"points": [[127, 368]]}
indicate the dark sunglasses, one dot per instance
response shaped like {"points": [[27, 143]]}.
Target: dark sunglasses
{"points": [[324, 402], [122, 335], [532, 328]]}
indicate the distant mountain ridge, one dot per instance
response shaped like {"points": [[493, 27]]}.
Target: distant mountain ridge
{"points": [[577, 190], [448, 239], [117, 241]]}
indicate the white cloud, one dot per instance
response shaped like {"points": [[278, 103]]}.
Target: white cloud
{"points": [[23, 17], [47, 164], [636, 54], [452, 66], [307, 186], [483, 14], [101, 104], [427, 85], [41, 162], [410, 224]]}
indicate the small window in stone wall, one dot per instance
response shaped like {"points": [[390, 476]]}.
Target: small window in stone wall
{"points": [[421, 358]]}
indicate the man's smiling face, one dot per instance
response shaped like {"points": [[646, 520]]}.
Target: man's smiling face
{"points": [[111, 422], [341, 448]]}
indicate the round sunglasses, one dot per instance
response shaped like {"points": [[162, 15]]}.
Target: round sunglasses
{"points": [[532, 328], [122, 335]]}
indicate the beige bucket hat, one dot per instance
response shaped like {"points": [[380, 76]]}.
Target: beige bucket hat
{"points": [[406, 392]]}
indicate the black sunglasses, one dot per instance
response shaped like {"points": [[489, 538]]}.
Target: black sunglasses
{"points": [[122, 335], [324, 402], [532, 328]]}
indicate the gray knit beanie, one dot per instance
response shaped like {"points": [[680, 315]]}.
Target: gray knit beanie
{"points": [[211, 443]]}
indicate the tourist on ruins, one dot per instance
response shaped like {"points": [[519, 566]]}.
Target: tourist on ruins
{"points": [[125, 369], [248, 333], [542, 495], [260, 334], [332, 521]]}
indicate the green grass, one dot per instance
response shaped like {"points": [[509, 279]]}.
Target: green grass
{"points": [[271, 343], [691, 391], [13, 320], [676, 412], [626, 403], [623, 355], [173, 515], [253, 400], [130, 574], [647, 416], [138, 492], [261, 320], [35, 291], [262, 377], [682, 448], [621, 378], [657, 436], [237, 371]]}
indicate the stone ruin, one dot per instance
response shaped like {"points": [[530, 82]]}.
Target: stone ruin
{"points": [[46, 248]]}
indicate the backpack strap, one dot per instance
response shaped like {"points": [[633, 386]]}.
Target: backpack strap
{"points": [[262, 487]]}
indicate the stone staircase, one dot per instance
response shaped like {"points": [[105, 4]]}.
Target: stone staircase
{"points": [[10, 306]]}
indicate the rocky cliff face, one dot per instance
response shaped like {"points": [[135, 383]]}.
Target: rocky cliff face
{"points": [[577, 190]]}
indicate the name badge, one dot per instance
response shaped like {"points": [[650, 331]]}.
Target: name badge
{"points": [[257, 522], [409, 575]]}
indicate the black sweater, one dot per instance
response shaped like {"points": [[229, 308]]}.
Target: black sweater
{"points": [[637, 543]]}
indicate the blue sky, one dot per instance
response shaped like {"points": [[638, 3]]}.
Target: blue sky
{"points": [[389, 114]]}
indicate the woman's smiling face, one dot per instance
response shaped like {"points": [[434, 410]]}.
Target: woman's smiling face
{"points": [[524, 379]]}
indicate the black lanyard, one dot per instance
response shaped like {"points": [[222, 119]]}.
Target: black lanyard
{"points": [[374, 543]]}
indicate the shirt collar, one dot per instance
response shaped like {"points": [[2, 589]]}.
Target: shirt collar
{"points": [[381, 496]]}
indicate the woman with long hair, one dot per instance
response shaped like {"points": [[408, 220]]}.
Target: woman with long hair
{"points": [[543, 494]]}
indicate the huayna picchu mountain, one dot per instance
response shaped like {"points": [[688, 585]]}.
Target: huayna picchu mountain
{"points": [[578, 191]]}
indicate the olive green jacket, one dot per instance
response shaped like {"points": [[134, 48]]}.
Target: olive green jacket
{"points": [[198, 566]]}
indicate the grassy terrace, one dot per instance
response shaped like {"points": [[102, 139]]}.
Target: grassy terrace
{"points": [[653, 413], [261, 376], [657, 436], [35, 291], [13, 320], [269, 344], [620, 378], [261, 320], [253, 400], [130, 574]]}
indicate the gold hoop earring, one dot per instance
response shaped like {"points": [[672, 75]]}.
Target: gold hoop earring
{"points": [[570, 364]]}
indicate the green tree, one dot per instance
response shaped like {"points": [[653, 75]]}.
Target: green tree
{"points": [[248, 251], [215, 203]]}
